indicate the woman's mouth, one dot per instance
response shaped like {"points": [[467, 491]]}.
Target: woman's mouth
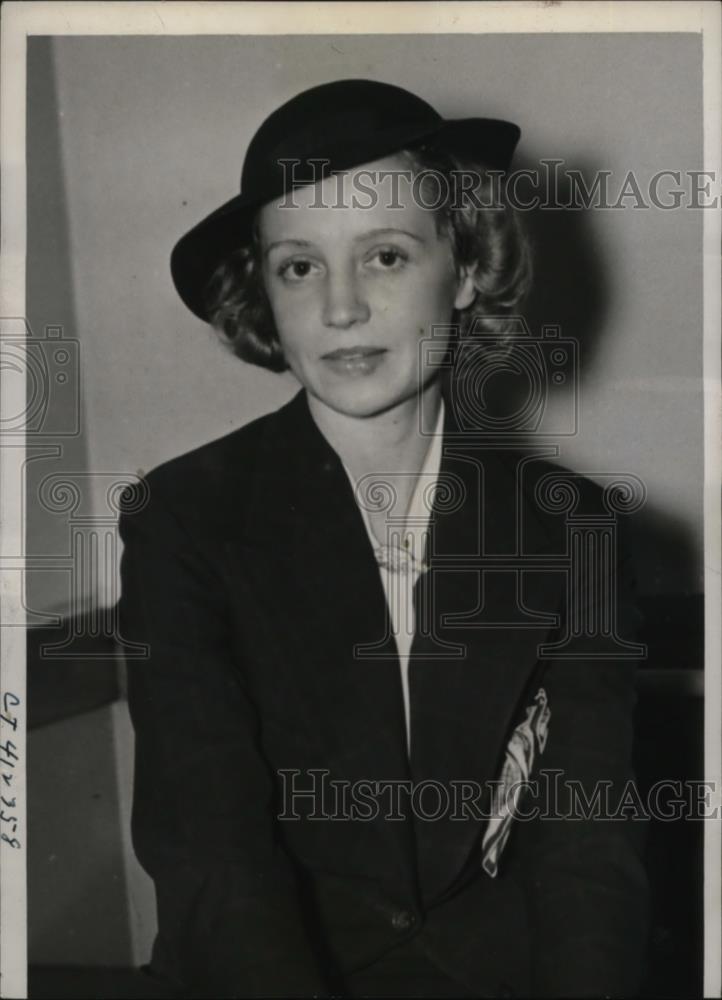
{"points": [[354, 360]]}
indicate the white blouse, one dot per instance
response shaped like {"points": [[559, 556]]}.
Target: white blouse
{"points": [[401, 557]]}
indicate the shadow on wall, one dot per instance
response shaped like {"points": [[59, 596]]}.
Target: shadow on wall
{"points": [[532, 391], [572, 285]]}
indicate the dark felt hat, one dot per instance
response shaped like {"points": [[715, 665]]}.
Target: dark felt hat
{"points": [[335, 126]]}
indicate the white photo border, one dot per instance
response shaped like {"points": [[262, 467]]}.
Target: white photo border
{"points": [[20, 20]]}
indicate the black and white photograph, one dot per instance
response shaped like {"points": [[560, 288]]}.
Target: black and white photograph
{"points": [[360, 500]]}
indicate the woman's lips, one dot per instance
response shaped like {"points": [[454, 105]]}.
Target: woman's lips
{"points": [[343, 353], [354, 360]]}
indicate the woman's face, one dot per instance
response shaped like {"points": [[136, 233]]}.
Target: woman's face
{"points": [[354, 290]]}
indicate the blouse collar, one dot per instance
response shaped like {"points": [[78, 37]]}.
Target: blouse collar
{"points": [[404, 548]]}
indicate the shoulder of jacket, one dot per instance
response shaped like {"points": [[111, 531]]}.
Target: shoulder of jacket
{"points": [[537, 476], [208, 477], [213, 457]]}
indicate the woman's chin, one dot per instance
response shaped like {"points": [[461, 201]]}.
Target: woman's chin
{"points": [[357, 399]]}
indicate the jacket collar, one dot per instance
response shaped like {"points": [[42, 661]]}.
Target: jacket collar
{"points": [[299, 474]]}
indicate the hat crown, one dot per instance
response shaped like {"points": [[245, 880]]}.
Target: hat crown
{"points": [[332, 127], [322, 122]]}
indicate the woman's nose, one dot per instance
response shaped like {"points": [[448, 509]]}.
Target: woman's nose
{"points": [[345, 302]]}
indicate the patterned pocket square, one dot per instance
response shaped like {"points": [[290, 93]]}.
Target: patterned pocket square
{"points": [[528, 739]]}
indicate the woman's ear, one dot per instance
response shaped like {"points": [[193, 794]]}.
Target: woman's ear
{"points": [[466, 289]]}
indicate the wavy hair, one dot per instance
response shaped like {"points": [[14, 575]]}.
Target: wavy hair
{"points": [[486, 234]]}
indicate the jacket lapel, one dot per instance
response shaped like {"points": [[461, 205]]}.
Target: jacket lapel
{"points": [[324, 577], [475, 649]]}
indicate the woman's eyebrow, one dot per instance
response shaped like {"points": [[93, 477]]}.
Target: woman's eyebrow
{"points": [[370, 234], [282, 243], [389, 231]]}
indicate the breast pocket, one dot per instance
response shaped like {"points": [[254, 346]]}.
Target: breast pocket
{"points": [[526, 744]]}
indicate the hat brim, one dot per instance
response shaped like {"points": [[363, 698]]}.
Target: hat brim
{"points": [[198, 253]]}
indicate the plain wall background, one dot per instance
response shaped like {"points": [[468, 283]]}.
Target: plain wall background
{"points": [[132, 140]]}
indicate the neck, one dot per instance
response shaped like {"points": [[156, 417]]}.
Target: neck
{"points": [[389, 441]]}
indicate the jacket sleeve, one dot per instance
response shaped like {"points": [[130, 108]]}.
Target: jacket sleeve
{"points": [[229, 917], [584, 874]]}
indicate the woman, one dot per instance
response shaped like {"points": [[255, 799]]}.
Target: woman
{"points": [[342, 654]]}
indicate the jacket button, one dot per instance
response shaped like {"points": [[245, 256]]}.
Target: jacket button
{"points": [[402, 920]]}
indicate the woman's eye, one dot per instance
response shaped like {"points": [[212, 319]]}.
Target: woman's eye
{"points": [[295, 270], [389, 258]]}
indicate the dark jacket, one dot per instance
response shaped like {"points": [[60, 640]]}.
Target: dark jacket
{"points": [[248, 573]]}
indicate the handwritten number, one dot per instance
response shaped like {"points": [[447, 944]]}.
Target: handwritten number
{"points": [[7, 749], [11, 700]]}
